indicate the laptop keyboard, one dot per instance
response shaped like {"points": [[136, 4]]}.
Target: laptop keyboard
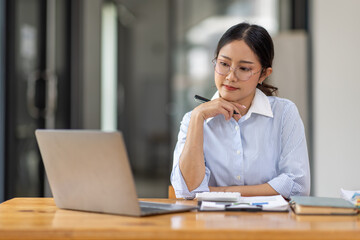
{"points": [[148, 210], [153, 208]]}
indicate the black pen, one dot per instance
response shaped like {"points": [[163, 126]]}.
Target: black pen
{"points": [[201, 99]]}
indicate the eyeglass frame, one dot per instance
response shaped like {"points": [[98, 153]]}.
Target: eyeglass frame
{"points": [[214, 61]]}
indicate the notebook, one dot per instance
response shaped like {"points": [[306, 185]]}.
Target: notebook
{"points": [[90, 171], [321, 206]]}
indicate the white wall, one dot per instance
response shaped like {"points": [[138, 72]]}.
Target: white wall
{"points": [[336, 83]]}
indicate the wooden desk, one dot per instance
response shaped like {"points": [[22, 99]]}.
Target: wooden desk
{"points": [[39, 218]]}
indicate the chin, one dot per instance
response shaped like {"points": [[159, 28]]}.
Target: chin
{"points": [[230, 96]]}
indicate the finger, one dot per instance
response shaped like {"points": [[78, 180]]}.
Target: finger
{"points": [[236, 106], [226, 108], [221, 105], [237, 117], [240, 106], [226, 113], [231, 109], [238, 114], [236, 111]]}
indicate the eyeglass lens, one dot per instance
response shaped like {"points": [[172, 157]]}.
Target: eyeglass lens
{"points": [[243, 74]]}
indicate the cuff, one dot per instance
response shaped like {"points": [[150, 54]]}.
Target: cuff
{"points": [[181, 189], [283, 184]]}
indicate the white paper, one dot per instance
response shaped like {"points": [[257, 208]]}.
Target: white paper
{"points": [[348, 195], [268, 203], [212, 206]]}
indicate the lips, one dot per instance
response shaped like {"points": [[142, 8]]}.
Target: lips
{"points": [[230, 88]]}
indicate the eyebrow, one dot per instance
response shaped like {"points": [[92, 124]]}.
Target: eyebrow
{"points": [[241, 61]]}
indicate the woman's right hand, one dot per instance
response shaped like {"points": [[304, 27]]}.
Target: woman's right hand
{"points": [[219, 106]]}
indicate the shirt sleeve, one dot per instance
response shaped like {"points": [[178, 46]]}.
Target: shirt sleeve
{"points": [[293, 165], [177, 180]]}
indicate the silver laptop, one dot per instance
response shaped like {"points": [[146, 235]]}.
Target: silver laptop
{"points": [[90, 171]]}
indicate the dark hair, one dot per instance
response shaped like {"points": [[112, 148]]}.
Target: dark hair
{"points": [[260, 42]]}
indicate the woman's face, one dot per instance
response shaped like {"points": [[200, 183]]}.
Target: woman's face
{"points": [[238, 55]]}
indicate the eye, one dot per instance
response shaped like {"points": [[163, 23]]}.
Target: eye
{"points": [[244, 69], [223, 64]]}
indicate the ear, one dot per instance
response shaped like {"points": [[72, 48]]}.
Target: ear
{"points": [[265, 74]]}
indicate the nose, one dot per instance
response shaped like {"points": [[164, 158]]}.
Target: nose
{"points": [[231, 75]]}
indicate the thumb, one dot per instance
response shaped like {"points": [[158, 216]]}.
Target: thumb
{"points": [[237, 116]]}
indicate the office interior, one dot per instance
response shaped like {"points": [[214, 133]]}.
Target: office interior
{"points": [[135, 65]]}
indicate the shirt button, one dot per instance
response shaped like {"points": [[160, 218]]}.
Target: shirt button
{"points": [[238, 152], [236, 128], [238, 177]]}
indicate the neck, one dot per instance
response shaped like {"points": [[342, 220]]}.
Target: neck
{"points": [[247, 103]]}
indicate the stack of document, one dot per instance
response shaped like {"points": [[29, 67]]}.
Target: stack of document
{"points": [[322, 206], [262, 203]]}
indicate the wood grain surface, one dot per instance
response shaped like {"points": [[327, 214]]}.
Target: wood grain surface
{"points": [[39, 218]]}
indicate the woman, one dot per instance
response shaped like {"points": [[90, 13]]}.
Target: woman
{"points": [[243, 140]]}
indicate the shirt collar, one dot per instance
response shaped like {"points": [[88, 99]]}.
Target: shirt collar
{"points": [[260, 105]]}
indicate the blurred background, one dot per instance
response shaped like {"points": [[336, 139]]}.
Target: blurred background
{"points": [[135, 65]]}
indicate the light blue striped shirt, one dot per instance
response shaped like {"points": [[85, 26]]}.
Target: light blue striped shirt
{"points": [[267, 145]]}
